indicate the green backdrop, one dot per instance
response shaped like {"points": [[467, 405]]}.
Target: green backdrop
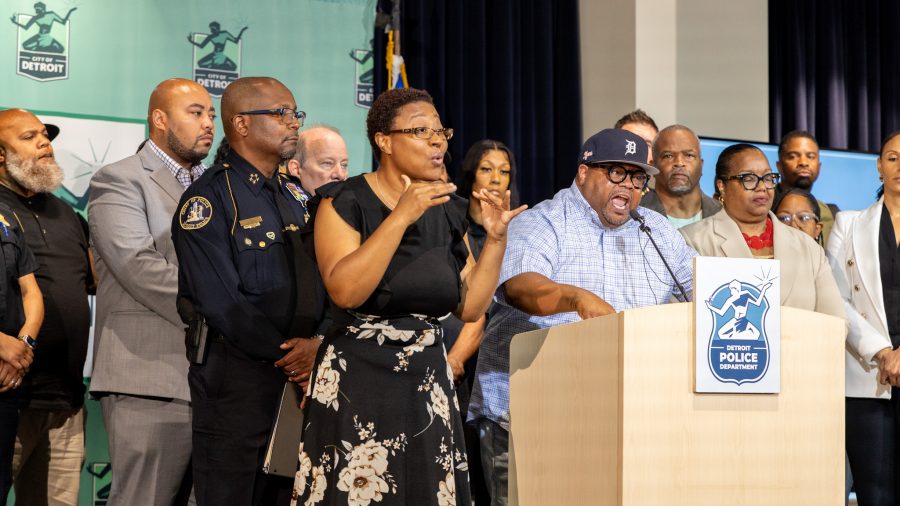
{"points": [[93, 74]]}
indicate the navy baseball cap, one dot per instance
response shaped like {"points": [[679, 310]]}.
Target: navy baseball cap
{"points": [[52, 130], [615, 145]]}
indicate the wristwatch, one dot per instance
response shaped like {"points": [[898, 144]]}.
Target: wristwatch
{"points": [[30, 341]]}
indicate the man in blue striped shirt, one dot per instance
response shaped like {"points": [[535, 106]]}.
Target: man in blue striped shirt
{"points": [[576, 256]]}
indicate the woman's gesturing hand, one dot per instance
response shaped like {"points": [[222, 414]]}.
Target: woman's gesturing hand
{"points": [[419, 197], [495, 213]]}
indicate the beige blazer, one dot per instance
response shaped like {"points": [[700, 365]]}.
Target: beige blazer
{"points": [[806, 279], [853, 253], [139, 338]]}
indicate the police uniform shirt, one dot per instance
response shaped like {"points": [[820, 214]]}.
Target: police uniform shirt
{"points": [[232, 258], [58, 238], [18, 261]]}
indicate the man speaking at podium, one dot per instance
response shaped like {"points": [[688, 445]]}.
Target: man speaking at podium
{"points": [[576, 256]]}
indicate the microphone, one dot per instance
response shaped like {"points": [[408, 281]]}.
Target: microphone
{"points": [[644, 228]]}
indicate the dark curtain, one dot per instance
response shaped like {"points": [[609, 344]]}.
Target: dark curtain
{"points": [[507, 70], [833, 70]]}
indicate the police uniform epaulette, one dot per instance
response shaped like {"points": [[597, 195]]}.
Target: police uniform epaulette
{"points": [[209, 175]]}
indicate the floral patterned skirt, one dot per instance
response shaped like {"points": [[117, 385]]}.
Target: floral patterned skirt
{"points": [[382, 422]]}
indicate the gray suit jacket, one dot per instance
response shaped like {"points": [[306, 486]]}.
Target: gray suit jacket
{"points": [[139, 337], [708, 205], [806, 278]]}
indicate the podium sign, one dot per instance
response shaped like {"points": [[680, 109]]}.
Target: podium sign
{"points": [[737, 325]]}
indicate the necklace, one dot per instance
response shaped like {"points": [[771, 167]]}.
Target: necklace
{"points": [[381, 195], [763, 240]]}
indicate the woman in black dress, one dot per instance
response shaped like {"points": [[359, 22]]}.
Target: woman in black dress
{"points": [[382, 423]]}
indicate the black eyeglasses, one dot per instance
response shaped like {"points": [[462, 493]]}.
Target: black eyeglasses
{"points": [[802, 218], [425, 132], [751, 181], [617, 174], [286, 114]]}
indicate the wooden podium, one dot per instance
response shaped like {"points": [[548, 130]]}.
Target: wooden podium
{"points": [[603, 413]]}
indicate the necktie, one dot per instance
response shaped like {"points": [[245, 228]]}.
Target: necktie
{"points": [[309, 303]]}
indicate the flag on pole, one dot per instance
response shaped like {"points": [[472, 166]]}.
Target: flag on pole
{"points": [[395, 65]]}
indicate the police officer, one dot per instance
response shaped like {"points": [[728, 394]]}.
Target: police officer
{"points": [[243, 268], [21, 317], [23, 138]]}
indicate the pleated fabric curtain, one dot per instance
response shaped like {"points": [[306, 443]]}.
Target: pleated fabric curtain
{"points": [[507, 70], [833, 70]]}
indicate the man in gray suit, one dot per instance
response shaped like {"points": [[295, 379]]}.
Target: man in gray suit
{"points": [[140, 368]]}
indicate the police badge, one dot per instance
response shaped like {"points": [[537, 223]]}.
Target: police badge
{"points": [[737, 311], [195, 213], [738, 346]]}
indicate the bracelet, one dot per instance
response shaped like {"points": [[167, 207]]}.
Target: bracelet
{"points": [[30, 341]]}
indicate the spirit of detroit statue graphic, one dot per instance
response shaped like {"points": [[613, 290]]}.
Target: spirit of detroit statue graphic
{"points": [[739, 326], [217, 59], [368, 77], [43, 41]]}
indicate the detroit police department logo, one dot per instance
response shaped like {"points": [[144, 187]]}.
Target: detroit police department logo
{"points": [[738, 346], [195, 213], [43, 43], [216, 62]]}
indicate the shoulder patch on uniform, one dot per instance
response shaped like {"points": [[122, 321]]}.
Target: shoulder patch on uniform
{"points": [[195, 213], [5, 224]]}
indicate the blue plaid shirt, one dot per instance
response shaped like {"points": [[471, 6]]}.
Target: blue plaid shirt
{"points": [[564, 240], [183, 176]]}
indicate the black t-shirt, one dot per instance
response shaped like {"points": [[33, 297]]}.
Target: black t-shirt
{"points": [[889, 258], [58, 238]]}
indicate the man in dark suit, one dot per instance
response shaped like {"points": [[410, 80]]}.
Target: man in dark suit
{"points": [[799, 164], [140, 367]]}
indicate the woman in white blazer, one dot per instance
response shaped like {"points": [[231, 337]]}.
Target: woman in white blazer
{"points": [[865, 259]]}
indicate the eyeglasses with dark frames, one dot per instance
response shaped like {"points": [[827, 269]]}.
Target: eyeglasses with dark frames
{"points": [[425, 132], [617, 175], [285, 113], [751, 181]]}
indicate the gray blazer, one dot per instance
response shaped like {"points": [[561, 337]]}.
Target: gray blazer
{"points": [[139, 337], [806, 278]]}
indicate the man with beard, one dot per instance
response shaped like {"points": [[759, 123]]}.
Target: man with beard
{"points": [[799, 164], [576, 256], [50, 438], [676, 153], [243, 267], [24, 150], [140, 368]]}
